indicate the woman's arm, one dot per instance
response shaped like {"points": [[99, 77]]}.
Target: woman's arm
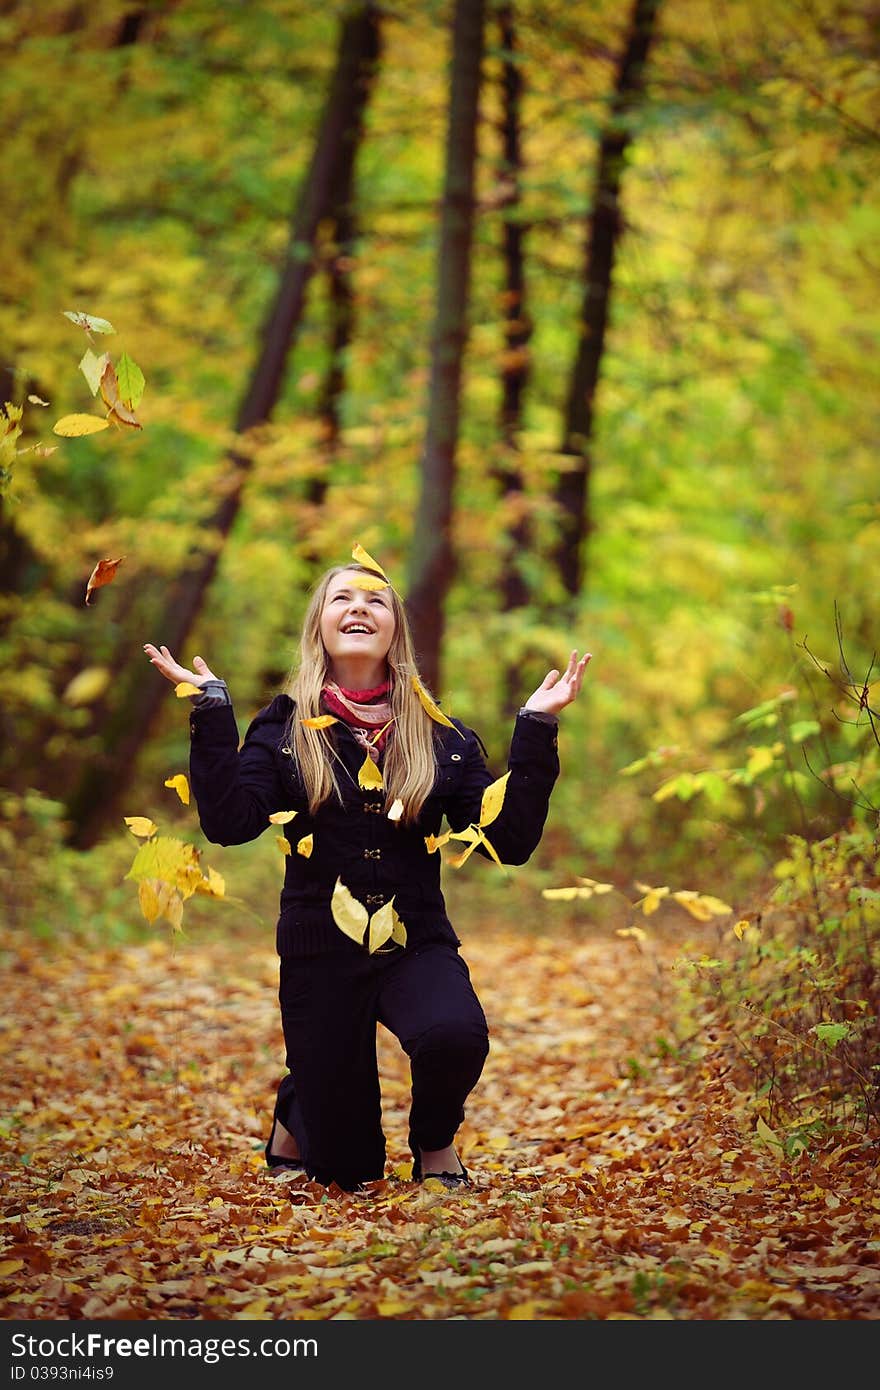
{"points": [[235, 790], [533, 764]]}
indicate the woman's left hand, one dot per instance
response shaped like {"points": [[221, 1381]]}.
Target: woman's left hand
{"points": [[556, 691]]}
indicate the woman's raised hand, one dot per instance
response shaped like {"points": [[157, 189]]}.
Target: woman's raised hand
{"points": [[556, 691], [173, 671]]}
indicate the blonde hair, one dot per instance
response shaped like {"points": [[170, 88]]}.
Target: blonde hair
{"points": [[409, 766]]}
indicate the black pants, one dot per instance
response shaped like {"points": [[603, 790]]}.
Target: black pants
{"points": [[331, 1100]]}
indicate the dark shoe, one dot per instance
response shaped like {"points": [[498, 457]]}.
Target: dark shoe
{"points": [[277, 1163], [448, 1179]]}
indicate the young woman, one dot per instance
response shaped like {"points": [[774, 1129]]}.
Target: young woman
{"points": [[366, 767]]}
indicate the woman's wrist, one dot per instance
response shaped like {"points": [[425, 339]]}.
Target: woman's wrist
{"points": [[542, 715]]}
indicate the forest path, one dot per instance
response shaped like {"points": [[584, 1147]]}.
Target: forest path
{"points": [[611, 1180]]}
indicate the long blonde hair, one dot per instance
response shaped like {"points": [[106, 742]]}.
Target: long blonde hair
{"points": [[409, 766]]}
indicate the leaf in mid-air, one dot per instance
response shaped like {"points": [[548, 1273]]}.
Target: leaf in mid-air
{"points": [[130, 380], [429, 706], [88, 321], [493, 800], [320, 721], [75, 426], [396, 809], [381, 927], [179, 783], [363, 558], [141, 825], [186, 688], [87, 685], [369, 776], [92, 368], [305, 846], [349, 915], [103, 573], [281, 817], [119, 409]]}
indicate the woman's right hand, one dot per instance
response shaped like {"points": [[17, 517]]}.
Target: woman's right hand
{"points": [[172, 670]]}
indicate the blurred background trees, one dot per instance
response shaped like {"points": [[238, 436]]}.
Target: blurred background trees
{"points": [[615, 360]]}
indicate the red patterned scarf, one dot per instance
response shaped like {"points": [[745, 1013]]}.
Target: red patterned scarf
{"points": [[365, 711]]}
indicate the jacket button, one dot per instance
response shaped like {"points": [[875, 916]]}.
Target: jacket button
{"points": [[372, 854], [455, 757]]}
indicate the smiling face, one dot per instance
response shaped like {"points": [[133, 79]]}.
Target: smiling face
{"points": [[357, 627]]}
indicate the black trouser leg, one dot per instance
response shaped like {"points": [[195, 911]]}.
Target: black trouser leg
{"points": [[429, 1003], [332, 1097]]}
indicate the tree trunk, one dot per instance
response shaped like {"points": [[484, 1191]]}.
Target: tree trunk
{"points": [[507, 471], [125, 725], [432, 560], [603, 234]]}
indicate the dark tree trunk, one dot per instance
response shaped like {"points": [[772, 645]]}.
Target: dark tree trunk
{"points": [[125, 725], [603, 234], [517, 332], [432, 560]]}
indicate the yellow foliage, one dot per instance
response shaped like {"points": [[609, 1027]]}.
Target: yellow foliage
{"points": [[179, 784], [87, 685], [369, 776], [305, 846], [493, 800], [429, 706], [141, 825], [363, 558], [74, 426]]}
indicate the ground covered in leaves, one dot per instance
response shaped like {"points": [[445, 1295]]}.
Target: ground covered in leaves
{"points": [[615, 1176]]}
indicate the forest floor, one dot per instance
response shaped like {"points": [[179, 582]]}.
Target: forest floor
{"points": [[612, 1177]]}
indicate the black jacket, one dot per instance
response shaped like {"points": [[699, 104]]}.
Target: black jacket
{"points": [[237, 789]]}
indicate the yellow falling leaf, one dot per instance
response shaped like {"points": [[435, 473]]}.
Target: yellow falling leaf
{"points": [[362, 557], [148, 898], [596, 887], [396, 809], [305, 846], [434, 842], [371, 582], [87, 685], [212, 884], [635, 932], [566, 895], [652, 898], [741, 927], [184, 688], [493, 800], [369, 776], [350, 916], [281, 817], [74, 426], [381, 926], [319, 721], [429, 706], [398, 931], [141, 826], [179, 784], [283, 843], [473, 835], [487, 844]]}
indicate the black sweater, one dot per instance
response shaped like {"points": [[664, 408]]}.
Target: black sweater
{"points": [[237, 789]]}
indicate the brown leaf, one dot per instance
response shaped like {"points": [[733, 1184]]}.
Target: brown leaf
{"points": [[103, 573]]}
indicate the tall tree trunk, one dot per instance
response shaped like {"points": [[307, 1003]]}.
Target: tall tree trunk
{"points": [[603, 234], [517, 332], [125, 725], [432, 559]]}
